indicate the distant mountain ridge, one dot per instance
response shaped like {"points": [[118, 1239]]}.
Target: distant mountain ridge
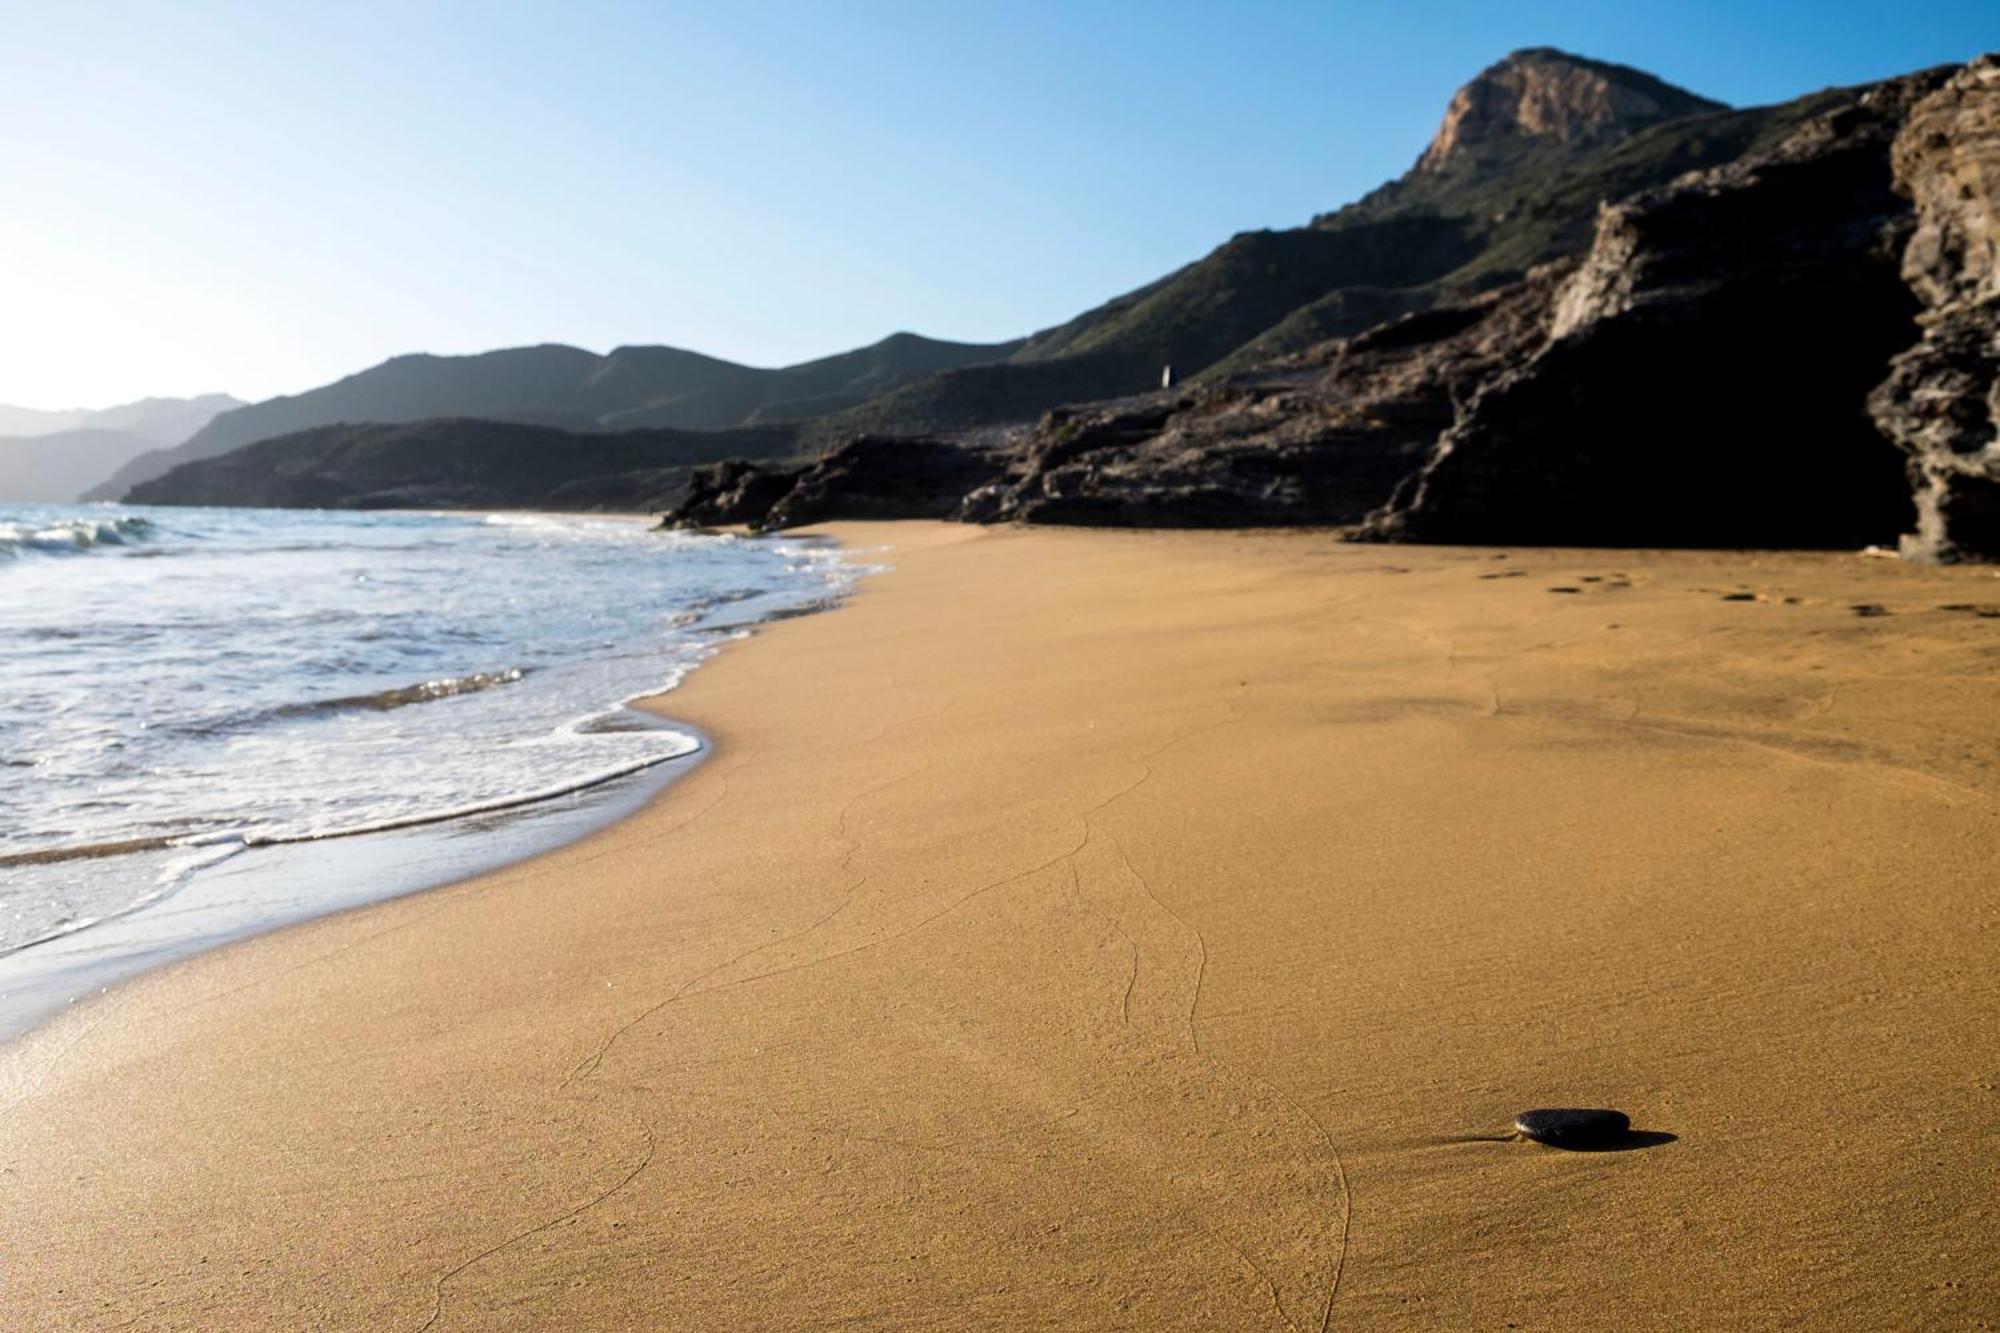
{"points": [[164, 421], [462, 463], [575, 390], [53, 457]]}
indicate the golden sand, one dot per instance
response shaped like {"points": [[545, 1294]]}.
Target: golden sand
{"points": [[1119, 930]]}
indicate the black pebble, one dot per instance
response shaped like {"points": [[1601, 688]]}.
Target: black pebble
{"points": [[1571, 1127]]}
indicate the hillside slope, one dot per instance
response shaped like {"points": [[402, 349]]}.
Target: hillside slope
{"points": [[1526, 152], [572, 389], [460, 463]]}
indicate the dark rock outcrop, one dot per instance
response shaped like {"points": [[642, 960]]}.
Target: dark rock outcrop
{"points": [[1941, 402], [1705, 375], [869, 477], [1320, 438], [732, 493]]}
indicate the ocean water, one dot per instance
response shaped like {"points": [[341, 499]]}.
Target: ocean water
{"points": [[181, 686]]}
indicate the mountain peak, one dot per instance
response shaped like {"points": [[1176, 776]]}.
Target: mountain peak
{"points": [[1540, 94]]}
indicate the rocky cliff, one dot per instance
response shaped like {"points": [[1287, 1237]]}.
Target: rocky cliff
{"points": [[1541, 95], [1706, 370], [1700, 375], [1319, 438], [1941, 402]]}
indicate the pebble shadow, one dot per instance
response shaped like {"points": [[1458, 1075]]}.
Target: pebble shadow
{"points": [[1632, 1140]]}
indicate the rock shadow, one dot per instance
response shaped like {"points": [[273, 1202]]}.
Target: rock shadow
{"points": [[1632, 1140]]}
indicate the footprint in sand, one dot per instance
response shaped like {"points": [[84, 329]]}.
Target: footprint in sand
{"points": [[1505, 574], [1984, 610], [1565, 588], [1740, 597], [1869, 609]]}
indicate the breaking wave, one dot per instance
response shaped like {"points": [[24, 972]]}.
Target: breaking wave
{"points": [[73, 537]]}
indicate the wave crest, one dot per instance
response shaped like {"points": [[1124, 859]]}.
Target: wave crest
{"points": [[73, 537], [403, 696]]}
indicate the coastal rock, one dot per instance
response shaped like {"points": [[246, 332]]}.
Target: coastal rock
{"points": [[1698, 376], [1319, 438], [1705, 373], [732, 493], [1941, 401], [869, 477], [1573, 1127]]}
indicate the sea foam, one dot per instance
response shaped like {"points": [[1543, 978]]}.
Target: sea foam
{"points": [[293, 676]]}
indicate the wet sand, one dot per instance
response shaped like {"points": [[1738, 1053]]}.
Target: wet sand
{"points": [[1104, 930]]}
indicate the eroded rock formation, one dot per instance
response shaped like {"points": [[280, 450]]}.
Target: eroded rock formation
{"points": [[1321, 438], [1706, 371], [1941, 402], [1544, 94], [869, 477]]}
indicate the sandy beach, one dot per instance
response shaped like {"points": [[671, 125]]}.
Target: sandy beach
{"points": [[1108, 930]]}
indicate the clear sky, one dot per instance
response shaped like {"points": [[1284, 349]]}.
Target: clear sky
{"points": [[260, 197]]}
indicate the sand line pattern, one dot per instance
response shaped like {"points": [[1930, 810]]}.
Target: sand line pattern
{"points": [[695, 987]]}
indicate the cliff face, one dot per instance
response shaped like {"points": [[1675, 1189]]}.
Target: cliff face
{"points": [[1706, 370], [1941, 402], [1542, 94]]}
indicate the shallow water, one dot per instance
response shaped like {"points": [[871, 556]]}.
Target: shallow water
{"points": [[189, 683]]}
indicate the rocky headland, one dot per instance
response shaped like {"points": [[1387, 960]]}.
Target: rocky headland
{"points": [[1726, 361]]}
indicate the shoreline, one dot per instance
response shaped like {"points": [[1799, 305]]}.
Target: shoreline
{"points": [[254, 887], [1115, 929], [259, 891]]}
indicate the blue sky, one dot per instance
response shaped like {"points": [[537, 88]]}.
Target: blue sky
{"points": [[260, 197]]}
